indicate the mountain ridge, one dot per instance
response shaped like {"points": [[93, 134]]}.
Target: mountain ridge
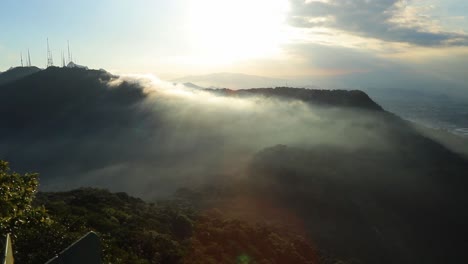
{"points": [[349, 98], [337, 98], [17, 73], [232, 80]]}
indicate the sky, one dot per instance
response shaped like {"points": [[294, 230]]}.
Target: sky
{"points": [[355, 42]]}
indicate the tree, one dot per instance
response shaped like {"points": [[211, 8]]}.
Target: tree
{"points": [[28, 225], [17, 192]]}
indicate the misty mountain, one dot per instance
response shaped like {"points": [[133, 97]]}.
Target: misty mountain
{"points": [[191, 85], [359, 182], [336, 98], [405, 208], [16, 73], [232, 80], [55, 119]]}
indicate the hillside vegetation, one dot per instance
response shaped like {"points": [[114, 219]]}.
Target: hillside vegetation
{"points": [[134, 231]]}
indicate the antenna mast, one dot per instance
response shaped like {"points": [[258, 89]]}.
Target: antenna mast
{"points": [[63, 60], [69, 56], [29, 59], [50, 61], [21, 55]]}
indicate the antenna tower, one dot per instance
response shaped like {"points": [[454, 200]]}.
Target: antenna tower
{"points": [[29, 59], [21, 55], [50, 61], [69, 56], [63, 60]]}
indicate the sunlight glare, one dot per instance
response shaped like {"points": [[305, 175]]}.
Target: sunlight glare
{"points": [[226, 31]]}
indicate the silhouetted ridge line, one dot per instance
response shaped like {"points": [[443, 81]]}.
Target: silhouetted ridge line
{"points": [[341, 98], [17, 73]]}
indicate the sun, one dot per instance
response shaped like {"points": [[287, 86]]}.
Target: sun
{"points": [[224, 31]]}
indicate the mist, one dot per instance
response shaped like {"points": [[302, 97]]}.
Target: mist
{"points": [[166, 136], [192, 137]]}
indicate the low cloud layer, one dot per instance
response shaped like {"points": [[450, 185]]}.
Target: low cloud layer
{"points": [[149, 137]]}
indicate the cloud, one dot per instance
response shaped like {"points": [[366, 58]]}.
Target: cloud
{"points": [[148, 137], [336, 59], [386, 20]]}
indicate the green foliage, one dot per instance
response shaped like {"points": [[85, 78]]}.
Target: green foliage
{"points": [[134, 231], [218, 239], [17, 192], [29, 225]]}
